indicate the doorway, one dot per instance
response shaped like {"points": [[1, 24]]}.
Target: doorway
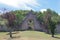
{"points": [[30, 24]]}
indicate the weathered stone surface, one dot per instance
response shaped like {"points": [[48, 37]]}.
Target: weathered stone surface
{"points": [[58, 28], [36, 25]]}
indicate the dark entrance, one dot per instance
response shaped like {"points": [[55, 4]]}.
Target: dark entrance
{"points": [[29, 28], [30, 24]]}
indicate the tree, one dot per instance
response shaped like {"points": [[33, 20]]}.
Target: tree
{"points": [[52, 27], [53, 22], [10, 18], [46, 17], [20, 15], [39, 16], [50, 18]]}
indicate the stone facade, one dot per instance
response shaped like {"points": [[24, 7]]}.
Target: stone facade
{"points": [[36, 25], [58, 28], [3, 28]]}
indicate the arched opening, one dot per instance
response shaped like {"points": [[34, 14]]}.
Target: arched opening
{"points": [[30, 24]]}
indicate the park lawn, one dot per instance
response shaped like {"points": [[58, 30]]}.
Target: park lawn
{"points": [[28, 35]]}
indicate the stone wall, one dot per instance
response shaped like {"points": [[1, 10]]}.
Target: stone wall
{"points": [[31, 16], [3, 28], [58, 28]]}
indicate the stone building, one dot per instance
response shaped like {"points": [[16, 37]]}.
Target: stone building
{"points": [[3, 28], [31, 22], [58, 28]]}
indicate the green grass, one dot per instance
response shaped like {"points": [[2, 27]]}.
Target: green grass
{"points": [[29, 35]]}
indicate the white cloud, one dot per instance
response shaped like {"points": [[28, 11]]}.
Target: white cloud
{"points": [[59, 14], [42, 10], [21, 3]]}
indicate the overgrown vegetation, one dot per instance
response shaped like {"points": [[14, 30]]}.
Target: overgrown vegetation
{"points": [[49, 18]]}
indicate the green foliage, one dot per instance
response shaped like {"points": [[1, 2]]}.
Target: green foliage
{"points": [[20, 15], [52, 27], [50, 18], [40, 16], [43, 17]]}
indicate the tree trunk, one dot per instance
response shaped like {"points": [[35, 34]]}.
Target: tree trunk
{"points": [[10, 33], [52, 35]]}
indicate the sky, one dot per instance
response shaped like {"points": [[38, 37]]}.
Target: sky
{"points": [[36, 5]]}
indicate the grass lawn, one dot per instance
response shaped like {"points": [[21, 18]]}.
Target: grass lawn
{"points": [[28, 35]]}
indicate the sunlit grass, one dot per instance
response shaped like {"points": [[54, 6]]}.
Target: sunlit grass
{"points": [[29, 35]]}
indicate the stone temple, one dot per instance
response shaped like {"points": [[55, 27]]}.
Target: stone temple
{"points": [[31, 22]]}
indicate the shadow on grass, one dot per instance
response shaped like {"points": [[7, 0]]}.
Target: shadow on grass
{"points": [[9, 33], [12, 33], [57, 37]]}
